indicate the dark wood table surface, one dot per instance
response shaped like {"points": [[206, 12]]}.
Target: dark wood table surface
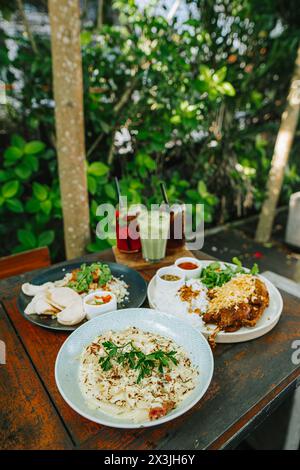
{"points": [[250, 380]]}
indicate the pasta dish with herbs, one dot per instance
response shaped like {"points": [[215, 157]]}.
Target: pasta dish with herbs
{"points": [[135, 375]]}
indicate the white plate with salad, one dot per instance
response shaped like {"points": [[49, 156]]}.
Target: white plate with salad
{"points": [[227, 302]]}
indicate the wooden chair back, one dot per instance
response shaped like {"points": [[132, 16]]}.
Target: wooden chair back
{"points": [[22, 262]]}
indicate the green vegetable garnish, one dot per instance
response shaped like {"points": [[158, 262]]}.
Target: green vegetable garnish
{"points": [[215, 275], [136, 359], [87, 274]]}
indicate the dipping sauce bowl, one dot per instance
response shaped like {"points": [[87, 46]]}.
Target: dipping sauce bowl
{"points": [[169, 279], [189, 267], [98, 302]]}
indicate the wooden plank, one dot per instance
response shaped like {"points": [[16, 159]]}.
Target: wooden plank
{"points": [[136, 261], [28, 419], [148, 270], [257, 414], [22, 262]]}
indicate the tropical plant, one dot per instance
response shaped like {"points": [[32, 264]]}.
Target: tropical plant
{"points": [[29, 207], [196, 104]]}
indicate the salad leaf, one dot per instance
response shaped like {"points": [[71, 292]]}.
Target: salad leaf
{"points": [[87, 274], [217, 274]]}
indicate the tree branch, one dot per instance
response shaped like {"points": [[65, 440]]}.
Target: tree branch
{"points": [[26, 26], [280, 158], [94, 145], [125, 97], [111, 152], [173, 10], [100, 13]]}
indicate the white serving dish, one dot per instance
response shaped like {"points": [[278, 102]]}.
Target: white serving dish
{"points": [[95, 310], [67, 361], [189, 273], [169, 286], [266, 323]]}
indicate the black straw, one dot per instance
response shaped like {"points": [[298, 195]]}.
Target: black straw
{"points": [[120, 205], [164, 193], [118, 190]]}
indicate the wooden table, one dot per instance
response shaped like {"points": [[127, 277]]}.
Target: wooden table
{"points": [[250, 380]]}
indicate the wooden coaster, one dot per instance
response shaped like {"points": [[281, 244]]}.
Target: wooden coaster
{"points": [[136, 261]]}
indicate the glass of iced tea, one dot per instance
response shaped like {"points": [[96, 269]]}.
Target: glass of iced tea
{"points": [[177, 227], [127, 230]]}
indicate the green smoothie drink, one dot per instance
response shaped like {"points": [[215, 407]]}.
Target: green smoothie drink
{"points": [[154, 229]]}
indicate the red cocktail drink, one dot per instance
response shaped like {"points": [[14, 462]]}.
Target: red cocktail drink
{"points": [[128, 238]]}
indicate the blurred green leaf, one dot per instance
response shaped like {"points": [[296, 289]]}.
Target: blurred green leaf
{"points": [[98, 169], [92, 185], [46, 238], [40, 191], [46, 206], [12, 154], [98, 245], [144, 160], [106, 127], [27, 238], [10, 189], [23, 171], [18, 141], [110, 191], [4, 175], [15, 205], [202, 188], [176, 119], [219, 75], [85, 37], [205, 73], [227, 89], [32, 206], [33, 147], [32, 162]]}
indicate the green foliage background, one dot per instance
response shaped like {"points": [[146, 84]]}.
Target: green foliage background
{"points": [[195, 104]]}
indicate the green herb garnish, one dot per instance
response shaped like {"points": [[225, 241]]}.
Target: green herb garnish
{"points": [[129, 355], [95, 272], [215, 275]]}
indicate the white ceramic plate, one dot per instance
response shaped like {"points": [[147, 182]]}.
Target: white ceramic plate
{"points": [[267, 321], [67, 361]]}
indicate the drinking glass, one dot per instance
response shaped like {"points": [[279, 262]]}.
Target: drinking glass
{"points": [[177, 226], [154, 229], [127, 231]]}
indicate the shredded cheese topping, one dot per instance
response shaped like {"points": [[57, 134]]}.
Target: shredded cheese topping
{"points": [[237, 290]]}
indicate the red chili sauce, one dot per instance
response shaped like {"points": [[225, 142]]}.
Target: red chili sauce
{"points": [[100, 300], [188, 265]]}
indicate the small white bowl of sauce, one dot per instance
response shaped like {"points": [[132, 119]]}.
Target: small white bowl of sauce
{"points": [[169, 278], [98, 302], [189, 267]]}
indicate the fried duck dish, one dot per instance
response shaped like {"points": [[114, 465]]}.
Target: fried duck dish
{"points": [[239, 302]]}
